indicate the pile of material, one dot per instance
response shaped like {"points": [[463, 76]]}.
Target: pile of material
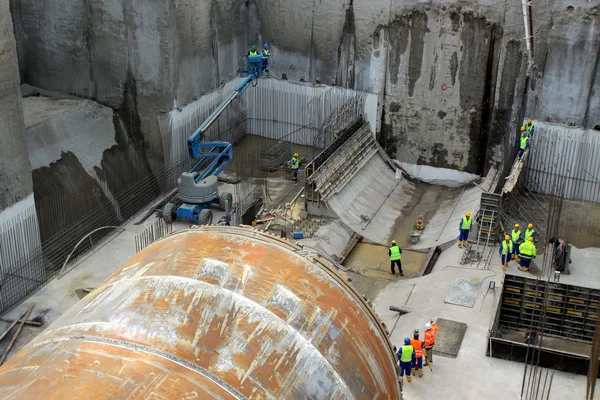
{"points": [[275, 156]]}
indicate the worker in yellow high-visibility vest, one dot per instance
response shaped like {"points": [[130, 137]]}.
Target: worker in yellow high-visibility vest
{"points": [[395, 254], [527, 252], [464, 227], [506, 250], [517, 238]]}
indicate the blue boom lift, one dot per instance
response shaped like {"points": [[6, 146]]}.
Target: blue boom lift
{"points": [[198, 190]]}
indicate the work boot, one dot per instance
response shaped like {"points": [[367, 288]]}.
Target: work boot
{"points": [[413, 371], [459, 243], [401, 273], [464, 243], [408, 378], [420, 373]]}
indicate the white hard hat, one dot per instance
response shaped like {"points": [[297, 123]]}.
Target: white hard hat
{"points": [[428, 325]]}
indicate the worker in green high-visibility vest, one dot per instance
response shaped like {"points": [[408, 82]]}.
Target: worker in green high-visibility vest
{"points": [[295, 164], [505, 251], [395, 254], [464, 227]]}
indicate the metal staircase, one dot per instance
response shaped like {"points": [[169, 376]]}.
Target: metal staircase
{"points": [[333, 175], [481, 248]]}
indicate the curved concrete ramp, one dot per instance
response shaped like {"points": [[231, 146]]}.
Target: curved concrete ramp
{"points": [[371, 200]]}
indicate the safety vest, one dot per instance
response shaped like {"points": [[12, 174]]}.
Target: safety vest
{"points": [[406, 353], [430, 336], [418, 346], [529, 128], [395, 253], [504, 246], [529, 233], [253, 53], [527, 249], [523, 142], [295, 164], [265, 53], [466, 223], [516, 235]]}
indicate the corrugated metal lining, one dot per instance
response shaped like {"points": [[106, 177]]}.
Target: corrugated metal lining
{"points": [[214, 312], [563, 155], [286, 111]]}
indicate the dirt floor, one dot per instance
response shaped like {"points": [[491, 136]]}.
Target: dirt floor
{"points": [[370, 262], [247, 153]]}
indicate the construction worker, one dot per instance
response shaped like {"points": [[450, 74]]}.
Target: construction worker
{"points": [[418, 345], [530, 233], [505, 251], [527, 252], [405, 355], [265, 57], [395, 254], [295, 164], [464, 227], [517, 239], [523, 143], [252, 51], [529, 128], [431, 329]]}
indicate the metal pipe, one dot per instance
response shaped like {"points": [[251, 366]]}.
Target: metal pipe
{"points": [[212, 312], [527, 34]]}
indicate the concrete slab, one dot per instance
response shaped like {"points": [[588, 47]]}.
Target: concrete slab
{"points": [[496, 379], [449, 337], [463, 293]]}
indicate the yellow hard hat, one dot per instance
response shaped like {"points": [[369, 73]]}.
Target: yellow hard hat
{"points": [[295, 154], [393, 242], [528, 121], [530, 239], [522, 128], [529, 226], [468, 214], [507, 237], [517, 226]]}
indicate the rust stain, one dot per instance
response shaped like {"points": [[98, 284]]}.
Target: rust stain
{"points": [[214, 312]]}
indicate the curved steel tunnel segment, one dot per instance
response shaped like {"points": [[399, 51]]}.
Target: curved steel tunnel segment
{"points": [[225, 312]]}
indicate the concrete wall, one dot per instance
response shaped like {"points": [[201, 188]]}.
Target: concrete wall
{"points": [[566, 88], [15, 171], [449, 75]]}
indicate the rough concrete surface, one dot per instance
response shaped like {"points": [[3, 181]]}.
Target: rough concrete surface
{"points": [[471, 375], [15, 171]]}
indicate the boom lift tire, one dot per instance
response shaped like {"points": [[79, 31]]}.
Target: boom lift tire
{"points": [[222, 198], [169, 212], [205, 217]]}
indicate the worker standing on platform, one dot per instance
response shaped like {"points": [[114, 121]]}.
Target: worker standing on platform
{"points": [[464, 228], [395, 254], [252, 51], [405, 354], [529, 129], [418, 345], [265, 57], [505, 250], [431, 329], [527, 252], [295, 164], [517, 239], [530, 233], [523, 143]]}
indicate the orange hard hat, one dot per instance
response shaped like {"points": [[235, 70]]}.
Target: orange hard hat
{"points": [[507, 237], [523, 128], [517, 226], [295, 154]]}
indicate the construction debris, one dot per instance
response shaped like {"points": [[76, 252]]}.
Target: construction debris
{"points": [[14, 338]]}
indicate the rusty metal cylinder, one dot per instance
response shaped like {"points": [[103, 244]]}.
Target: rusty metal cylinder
{"points": [[213, 312]]}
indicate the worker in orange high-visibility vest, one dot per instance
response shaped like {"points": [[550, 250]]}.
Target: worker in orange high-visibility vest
{"points": [[418, 345], [431, 329]]}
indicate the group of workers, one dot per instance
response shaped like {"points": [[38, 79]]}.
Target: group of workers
{"points": [[410, 355], [265, 55], [519, 247], [526, 135]]}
